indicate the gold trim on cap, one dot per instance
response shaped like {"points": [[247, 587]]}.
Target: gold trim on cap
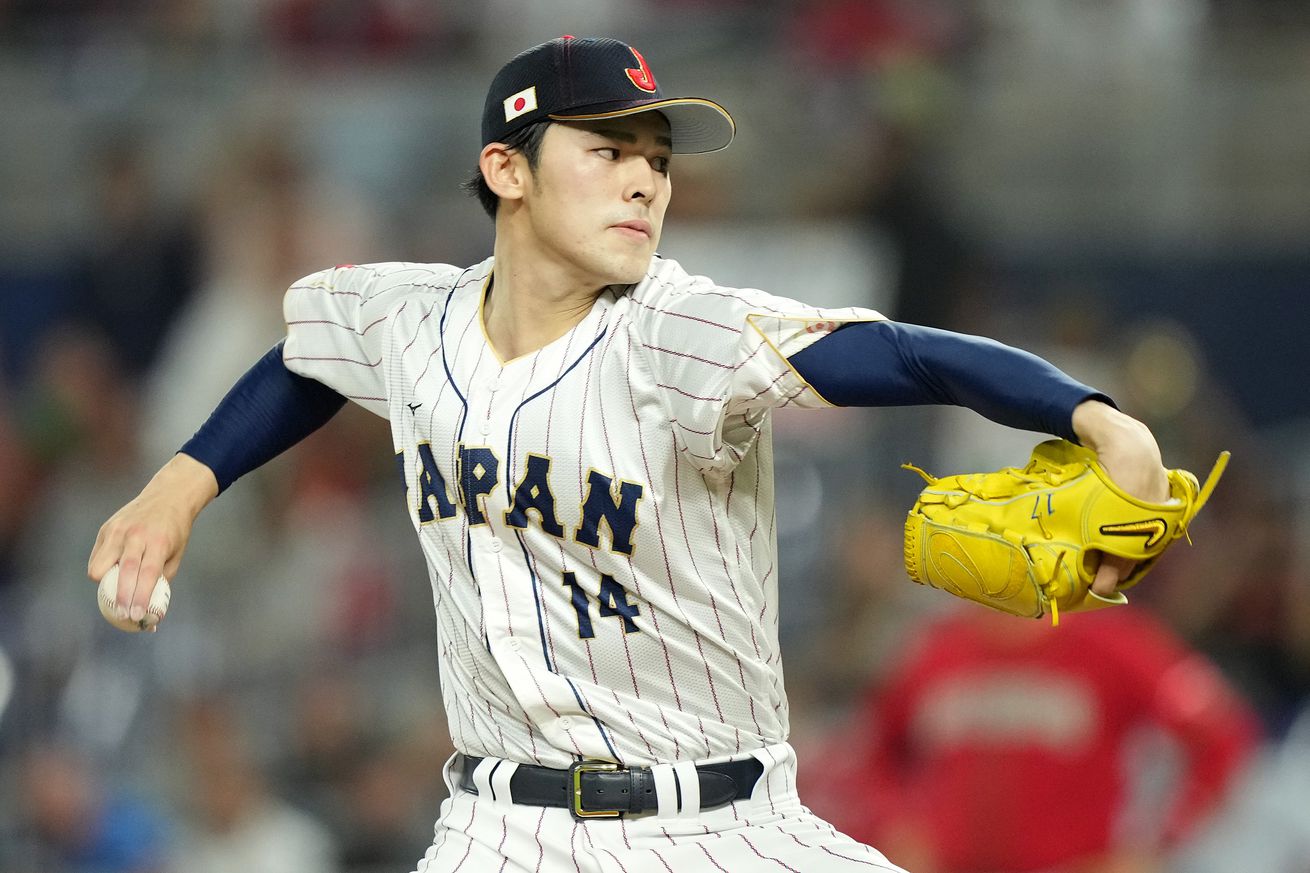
{"points": [[654, 105]]}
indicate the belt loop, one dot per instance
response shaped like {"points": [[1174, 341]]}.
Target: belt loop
{"points": [[689, 784], [774, 759], [451, 771], [500, 783], [666, 790], [482, 776]]}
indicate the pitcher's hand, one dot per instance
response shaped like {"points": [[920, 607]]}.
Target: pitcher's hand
{"points": [[1128, 451], [148, 536]]}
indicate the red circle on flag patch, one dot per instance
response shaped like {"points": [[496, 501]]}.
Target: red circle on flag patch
{"points": [[519, 104]]}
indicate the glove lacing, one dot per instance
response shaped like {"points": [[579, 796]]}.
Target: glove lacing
{"points": [[1039, 472]]}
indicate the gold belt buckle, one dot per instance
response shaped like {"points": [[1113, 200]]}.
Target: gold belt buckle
{"points": [[575, 777]]}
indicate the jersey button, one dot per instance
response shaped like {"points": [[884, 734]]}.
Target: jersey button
{"points": [[514, 644], [486, 428], [565, 722], [497, 545]]}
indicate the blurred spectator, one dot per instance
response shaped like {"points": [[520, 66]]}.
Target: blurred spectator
{"points": [[1266, 827], [941, 276], [235, 824], [875, 58], [332, 591], [391, 815], [1250, 619], [18, 483], [267, 222], [515, 25], [142, 260], [352, 29], [77, 826], [376, 794], [80, 404], [326, 743], [70, 437], [870, 614], [848, 35], [1002, 745]]}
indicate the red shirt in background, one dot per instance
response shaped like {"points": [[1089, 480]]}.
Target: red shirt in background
{"points": [[1000, 744]]}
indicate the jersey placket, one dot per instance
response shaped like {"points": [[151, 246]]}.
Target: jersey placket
{"points": [[529, 393], [491, 544], [509, 589]]}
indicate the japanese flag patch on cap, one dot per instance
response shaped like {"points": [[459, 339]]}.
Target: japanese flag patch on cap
{"points": [[522, 103]]}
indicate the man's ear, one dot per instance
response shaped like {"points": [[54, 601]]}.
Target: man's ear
{"points": [[505, 170]]}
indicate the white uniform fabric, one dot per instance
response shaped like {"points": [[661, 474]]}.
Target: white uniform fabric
{"points": [[597, 516], [770, 831]]}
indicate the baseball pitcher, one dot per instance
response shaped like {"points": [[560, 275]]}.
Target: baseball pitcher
{"points": [[582, 429]]}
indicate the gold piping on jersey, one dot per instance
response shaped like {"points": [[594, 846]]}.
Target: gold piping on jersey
{"points": [[750, 319]]}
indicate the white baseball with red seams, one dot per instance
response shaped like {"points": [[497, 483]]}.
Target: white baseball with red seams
{"points": [[106, 598], [597, 516]]}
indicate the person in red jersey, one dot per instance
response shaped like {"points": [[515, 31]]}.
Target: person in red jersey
{"points": [[998, 746]]}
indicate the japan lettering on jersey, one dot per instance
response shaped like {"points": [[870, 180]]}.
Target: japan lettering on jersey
{"points": [[597, 516]]}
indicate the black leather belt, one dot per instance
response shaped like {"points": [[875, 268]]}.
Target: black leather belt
{"points": [[601, 789]]}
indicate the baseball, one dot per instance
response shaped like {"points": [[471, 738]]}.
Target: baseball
{"points": [[108, 593]]}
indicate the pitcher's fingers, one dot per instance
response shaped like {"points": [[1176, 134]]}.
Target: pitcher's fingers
{"points": [[1111, 571], [171, 565], [147, 578], [105, 553], [1106, 579], [129, 569]]}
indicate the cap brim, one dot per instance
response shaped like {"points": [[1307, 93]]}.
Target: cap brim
{"points": [[696, 125]]}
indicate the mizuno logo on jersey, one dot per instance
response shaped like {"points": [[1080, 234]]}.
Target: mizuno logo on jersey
{"points": [[606, 505]]}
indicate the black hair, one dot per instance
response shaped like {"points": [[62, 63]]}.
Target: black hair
{"points": [[526, 140]]}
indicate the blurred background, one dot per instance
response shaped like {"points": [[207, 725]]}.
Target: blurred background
{"points": [[1122, 186]]}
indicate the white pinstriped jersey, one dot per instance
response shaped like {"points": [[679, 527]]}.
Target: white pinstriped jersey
{"points": [[597, 516]]}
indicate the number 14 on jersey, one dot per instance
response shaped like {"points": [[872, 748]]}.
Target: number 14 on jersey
{"points": [[612, 600]]}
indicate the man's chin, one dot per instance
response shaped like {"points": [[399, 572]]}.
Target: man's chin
{"points": [[632, 271]]}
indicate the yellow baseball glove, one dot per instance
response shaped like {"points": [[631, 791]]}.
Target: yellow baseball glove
{"points": [[1021, 540]]}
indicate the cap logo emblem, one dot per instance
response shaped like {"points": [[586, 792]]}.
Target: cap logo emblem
{"points": [[641, 75], [521, 103]]}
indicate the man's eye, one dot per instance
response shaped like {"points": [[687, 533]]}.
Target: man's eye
{"points": [[661, 165], [609, 154]]}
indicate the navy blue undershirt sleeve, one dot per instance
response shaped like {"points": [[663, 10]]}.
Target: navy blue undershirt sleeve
{"points": [[268, 411], [888, 363]]}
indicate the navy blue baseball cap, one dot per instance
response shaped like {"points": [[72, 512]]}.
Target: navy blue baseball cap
{"points": [[571, 79]]}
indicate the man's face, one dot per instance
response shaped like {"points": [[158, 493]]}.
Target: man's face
{"points": [[596, 201]]}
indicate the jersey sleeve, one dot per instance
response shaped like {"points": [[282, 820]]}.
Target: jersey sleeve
{"points": [[719, 357], [338, 324]]}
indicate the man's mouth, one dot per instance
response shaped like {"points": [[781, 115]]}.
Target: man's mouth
{"points": [[636, 228]]}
